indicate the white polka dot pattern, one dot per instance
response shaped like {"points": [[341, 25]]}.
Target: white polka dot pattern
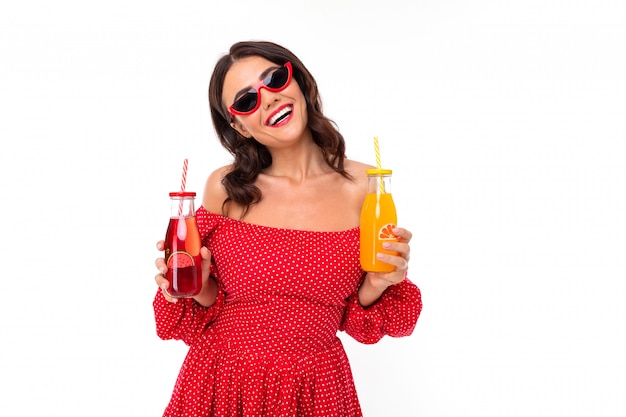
{"points": [[269, 346]]}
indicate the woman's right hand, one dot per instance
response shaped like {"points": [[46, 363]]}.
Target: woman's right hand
{"points": [[160, 279], [207, 295]]}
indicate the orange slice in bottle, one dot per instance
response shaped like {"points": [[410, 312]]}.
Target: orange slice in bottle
{"points": [[386, 233]]}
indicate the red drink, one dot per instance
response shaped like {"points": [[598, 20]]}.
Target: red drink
{"points": [[182, 249]]}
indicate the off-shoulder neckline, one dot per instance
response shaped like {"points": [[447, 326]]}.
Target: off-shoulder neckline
{"points": [[241, 222]]}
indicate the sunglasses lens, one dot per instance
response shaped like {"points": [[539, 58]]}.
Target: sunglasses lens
{"points": [[246, 102], [279, 78]]}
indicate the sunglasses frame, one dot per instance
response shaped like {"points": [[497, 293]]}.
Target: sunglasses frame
{"points": [[257, 89]]}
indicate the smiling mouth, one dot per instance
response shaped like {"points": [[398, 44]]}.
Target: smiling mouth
{"points": [[280, 115]]}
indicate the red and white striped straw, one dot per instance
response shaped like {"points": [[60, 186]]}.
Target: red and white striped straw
{"points": [[184, 181], [182, 187]]}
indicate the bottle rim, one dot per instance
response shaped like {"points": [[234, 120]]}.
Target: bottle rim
{"points": [[378, 171], [183, 194]]}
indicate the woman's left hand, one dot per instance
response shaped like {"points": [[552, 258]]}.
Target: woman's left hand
{"points": [[376, 283], [400, 261]]}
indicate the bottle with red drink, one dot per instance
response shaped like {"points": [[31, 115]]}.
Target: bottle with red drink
{"points": [[182, 247]]}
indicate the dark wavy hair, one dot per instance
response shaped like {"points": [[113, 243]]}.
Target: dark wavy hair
{"points": [[250, 156]]}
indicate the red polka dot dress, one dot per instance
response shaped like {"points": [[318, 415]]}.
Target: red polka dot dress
{"points": [[268, 346]]}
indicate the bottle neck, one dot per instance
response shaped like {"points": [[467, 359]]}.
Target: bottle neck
{"points": [[182, 207], [379, 184]]}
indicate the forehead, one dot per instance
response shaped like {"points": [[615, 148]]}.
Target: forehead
{"points": [[243, 73]]}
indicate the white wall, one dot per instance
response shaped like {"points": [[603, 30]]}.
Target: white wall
{"points": [[504, 124]]}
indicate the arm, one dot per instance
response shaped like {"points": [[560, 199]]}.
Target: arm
{"points": [[394, 314], [375, 284], [185, 319], [386, 303]]}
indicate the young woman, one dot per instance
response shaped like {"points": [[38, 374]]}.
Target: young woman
{"points": [[280, 230]]}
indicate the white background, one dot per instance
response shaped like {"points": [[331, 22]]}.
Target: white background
{"points": [[504, 123]]}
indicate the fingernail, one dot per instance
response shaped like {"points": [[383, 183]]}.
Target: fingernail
{"points": [[163, 286], [380, 256], [386, 245]]}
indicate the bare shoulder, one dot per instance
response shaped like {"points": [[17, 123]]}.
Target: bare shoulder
{"points": [[214, 192], [357, 170], [359, 184]]}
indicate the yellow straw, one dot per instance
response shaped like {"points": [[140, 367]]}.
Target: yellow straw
{"points": [[377, 150], [378, 165]]}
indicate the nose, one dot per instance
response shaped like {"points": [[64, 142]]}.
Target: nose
{"points": [[268, 98]]}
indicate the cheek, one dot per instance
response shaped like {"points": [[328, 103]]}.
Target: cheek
{"points": [[302, 104], [305, 116], [252, 122]]}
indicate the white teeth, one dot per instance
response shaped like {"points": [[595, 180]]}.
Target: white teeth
{"points": [[275, 118]]}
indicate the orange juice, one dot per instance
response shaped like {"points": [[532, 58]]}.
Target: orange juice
{"points": [[378, 218]]}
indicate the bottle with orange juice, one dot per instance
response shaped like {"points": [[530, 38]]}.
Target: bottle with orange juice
{"points": [[378, 218]]}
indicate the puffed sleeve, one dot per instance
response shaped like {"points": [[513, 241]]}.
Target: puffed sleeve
{"points": [[394, 314], [186, 319]]}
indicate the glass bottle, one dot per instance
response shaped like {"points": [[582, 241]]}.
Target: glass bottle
{"points": [[378, 219], [182, 247]]}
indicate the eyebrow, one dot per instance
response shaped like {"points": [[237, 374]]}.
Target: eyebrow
{"points": [[261, 78]]}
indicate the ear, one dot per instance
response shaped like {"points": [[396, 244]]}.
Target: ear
{"points": [[241, 129]]}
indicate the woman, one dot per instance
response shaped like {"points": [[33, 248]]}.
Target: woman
{"points": [[281, 257]]}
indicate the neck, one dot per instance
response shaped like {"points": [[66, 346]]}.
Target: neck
{"points": [[298, 164]]}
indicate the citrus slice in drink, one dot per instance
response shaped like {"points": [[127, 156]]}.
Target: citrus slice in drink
{"points": [[386, 233], [180, 259]]}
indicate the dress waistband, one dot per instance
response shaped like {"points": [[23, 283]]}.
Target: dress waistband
{"points": [[284, 322]]}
